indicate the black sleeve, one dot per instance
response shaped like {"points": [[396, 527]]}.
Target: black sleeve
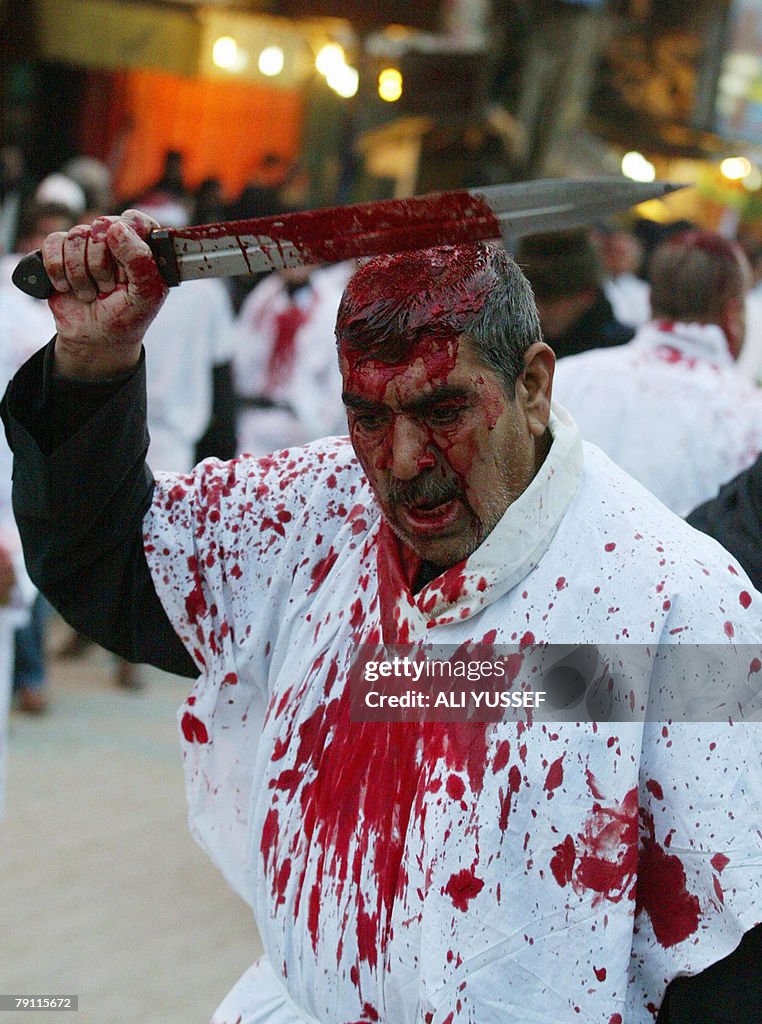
{"points": [[80, 490], [728, 992], [734, 518], [731, 989]]}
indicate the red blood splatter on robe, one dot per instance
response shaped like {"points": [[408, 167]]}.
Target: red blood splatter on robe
{"points": [[662, 892], [462, 887], [193, 729]]}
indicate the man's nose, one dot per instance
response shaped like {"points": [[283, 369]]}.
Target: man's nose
{"points": [[411, 449]]}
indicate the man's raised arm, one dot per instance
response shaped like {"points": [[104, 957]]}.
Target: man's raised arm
{"points": [[75, 417]]}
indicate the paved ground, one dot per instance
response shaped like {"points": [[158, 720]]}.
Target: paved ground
{"points": [[103, 893]]}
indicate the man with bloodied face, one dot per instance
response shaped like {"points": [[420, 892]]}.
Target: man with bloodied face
{"points": [[449, 423], [427, 871]]}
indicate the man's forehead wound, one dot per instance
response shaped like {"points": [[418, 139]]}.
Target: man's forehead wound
{"points": [[427, 291]]}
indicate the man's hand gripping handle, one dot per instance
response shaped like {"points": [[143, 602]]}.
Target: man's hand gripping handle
{"points": [[106, 291]]}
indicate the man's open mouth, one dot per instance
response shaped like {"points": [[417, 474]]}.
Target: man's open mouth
{"points": [[432, 516], [430, 508]]}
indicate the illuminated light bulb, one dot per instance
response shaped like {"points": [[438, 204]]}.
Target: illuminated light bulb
{"points": [[637, 168], [225, 52], [344, 80], [330, 57], [734, 168], [271, 61], [390, 85]]}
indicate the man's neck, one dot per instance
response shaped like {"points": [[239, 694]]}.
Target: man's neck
{"points": [[542, 448], [426, 574]]}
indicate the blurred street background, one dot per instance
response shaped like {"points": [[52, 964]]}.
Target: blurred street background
{"points": [[103, 893]]}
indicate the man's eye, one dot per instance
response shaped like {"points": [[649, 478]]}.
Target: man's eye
{"points": [[443, 415], [369, 420]]}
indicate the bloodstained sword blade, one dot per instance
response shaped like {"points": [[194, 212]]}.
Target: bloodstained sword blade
{"points": [[332, 234]]}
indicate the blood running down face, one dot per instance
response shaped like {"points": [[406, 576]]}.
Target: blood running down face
{"points": [[446, 440]]}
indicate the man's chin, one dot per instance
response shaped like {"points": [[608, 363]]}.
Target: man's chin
{"points": [[441, 552]]}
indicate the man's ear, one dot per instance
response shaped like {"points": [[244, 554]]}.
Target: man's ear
{"points": [[535, 384], [733, 323]]}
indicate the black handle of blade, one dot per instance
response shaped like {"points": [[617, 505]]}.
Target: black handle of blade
{"points": [[31, 276], [163, 252]]}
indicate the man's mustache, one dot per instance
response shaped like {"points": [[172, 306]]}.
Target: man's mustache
{"points": [[429, 488]]}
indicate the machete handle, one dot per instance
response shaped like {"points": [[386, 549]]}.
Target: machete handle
{"points": [[32, 278], [163, 251]]}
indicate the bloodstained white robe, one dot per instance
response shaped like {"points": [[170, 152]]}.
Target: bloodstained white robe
{"points": [[469, 872]]}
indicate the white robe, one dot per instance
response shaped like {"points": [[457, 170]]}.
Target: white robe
{"points": [[435, 874], [27, 323], [669, 407], [191, 334], [630, 298], [305, 384]]}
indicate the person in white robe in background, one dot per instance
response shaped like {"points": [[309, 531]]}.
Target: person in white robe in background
{"points": [[284, 363], [23, 321], [191, 336], [670, 406]]}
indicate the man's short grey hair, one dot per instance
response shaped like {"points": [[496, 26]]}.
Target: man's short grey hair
{"points": [[473, 290]]}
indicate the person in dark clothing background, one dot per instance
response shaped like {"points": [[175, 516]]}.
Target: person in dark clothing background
{"points": [[172, 180], [734, 518], [566, 276], [260, 197]]}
